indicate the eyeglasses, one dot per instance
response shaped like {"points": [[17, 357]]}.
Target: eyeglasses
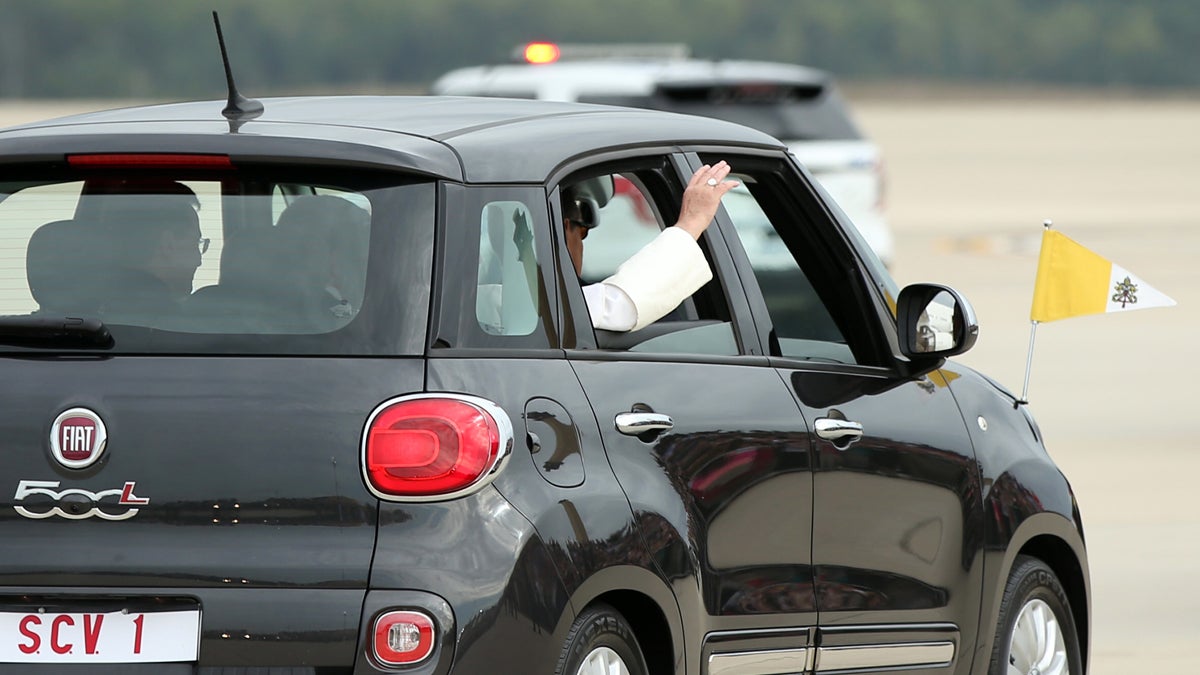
{"points": [[204, 242]]}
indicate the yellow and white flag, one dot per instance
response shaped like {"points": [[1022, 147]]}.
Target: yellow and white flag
{"points": [[1073, 281]]}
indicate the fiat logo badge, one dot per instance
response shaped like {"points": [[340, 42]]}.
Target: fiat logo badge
{"points": [[77, 438]]}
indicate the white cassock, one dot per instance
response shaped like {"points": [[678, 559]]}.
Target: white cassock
{"points": [[647, 286]]}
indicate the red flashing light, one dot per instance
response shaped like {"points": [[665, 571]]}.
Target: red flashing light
{"points": [[150, 161], [430, 447], [541, 52], [402, 638]]}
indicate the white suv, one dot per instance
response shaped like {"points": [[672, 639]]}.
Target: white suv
{"points": [[798, 105]]}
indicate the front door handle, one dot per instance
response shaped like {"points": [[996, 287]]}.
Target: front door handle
{"points": [[841, 432], [637, 423]]}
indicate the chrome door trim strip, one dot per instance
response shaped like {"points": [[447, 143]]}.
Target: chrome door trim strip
{"points": [[757, 632], [770, 662], [880, 657]]}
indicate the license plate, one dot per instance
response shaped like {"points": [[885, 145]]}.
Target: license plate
{"points": [[88, 637]]}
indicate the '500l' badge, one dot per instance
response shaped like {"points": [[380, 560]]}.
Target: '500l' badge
{"points": [[75, 503]]}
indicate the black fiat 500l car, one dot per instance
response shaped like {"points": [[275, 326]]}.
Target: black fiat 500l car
{"points": [[369, 428]]}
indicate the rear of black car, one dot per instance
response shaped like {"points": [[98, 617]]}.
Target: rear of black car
{"points": [[197, 352]]}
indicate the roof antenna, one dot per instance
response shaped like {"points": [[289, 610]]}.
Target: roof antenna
{"points": [[240, 109]]}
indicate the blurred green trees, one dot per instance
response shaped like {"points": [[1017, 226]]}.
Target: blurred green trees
{"points": [[152, 49]]}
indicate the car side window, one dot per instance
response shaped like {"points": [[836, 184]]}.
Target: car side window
{"points": [[629, 221], [815, 303], [506, 277], [493, 267], [803, 325], [632, 206]]}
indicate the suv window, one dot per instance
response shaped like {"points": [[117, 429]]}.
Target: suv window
{"points": [[210, 262], [791, 112]]}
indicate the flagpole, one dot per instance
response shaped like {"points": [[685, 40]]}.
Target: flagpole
{"points": [[1024, 400], [1028, 366]]}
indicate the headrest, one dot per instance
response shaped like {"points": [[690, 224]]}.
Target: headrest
{"points": [[62, 262], [317, 231]]}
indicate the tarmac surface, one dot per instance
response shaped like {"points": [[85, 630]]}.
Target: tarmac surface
{"points": [[971, 176], [970, 182]]}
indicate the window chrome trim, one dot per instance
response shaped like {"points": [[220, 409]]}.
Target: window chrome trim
{"points": [[773, 662], [885, 657]]}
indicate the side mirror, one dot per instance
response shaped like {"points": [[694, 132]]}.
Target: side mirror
{"points": [[934, 322]]}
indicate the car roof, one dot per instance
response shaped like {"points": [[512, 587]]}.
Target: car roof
{"points": [[568, 80], [458, 138]]}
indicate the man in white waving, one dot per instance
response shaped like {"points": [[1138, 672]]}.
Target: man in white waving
{"points": [[665, 271]]}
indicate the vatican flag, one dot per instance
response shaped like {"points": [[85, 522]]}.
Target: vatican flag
{"points": [[1073, 281]]}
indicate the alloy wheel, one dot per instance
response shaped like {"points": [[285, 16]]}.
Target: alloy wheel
{"points": [[1037, 646], [602, 661]]}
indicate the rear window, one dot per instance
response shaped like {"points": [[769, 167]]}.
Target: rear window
{"points": [[240, 259], [787, 111]]}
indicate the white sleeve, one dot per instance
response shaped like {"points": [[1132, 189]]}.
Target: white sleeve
{"points": [[609, 307], [651, 283]]}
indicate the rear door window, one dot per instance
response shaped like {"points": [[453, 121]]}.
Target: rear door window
{"points": [[243, 259], [627, 204]]}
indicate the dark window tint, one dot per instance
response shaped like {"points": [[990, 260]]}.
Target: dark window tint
{"points": [[789, 112], [220, 262]]}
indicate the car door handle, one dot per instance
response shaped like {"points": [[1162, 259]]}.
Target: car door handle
{"points": [[637, 423], [833, 429]]}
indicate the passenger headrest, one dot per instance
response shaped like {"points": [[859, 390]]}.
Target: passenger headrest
{"points": [[62, 263], [319, 232]]}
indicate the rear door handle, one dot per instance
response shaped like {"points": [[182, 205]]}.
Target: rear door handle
{"points": [[637, 423], [841, 432]]}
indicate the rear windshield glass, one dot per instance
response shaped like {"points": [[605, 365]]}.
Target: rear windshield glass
{"points": [[789, 112], [245, 259]]}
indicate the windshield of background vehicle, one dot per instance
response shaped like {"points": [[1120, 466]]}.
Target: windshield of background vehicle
{"points": [[244, 260]]}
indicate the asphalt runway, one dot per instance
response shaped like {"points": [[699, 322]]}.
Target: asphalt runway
{"points": [[970, 180], [971, 176]]}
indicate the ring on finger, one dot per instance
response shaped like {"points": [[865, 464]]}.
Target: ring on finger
{"points": [[712, 182]]}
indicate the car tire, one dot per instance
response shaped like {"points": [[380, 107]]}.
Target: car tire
{"points": [[1036, 632], [601, 642]]}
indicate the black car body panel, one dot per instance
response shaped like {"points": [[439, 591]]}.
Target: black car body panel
{"points": [[458, 137], [244, 479]]}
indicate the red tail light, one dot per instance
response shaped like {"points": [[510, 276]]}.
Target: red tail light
{"points": [[146, 160], [435, 446], [402, 638]]}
